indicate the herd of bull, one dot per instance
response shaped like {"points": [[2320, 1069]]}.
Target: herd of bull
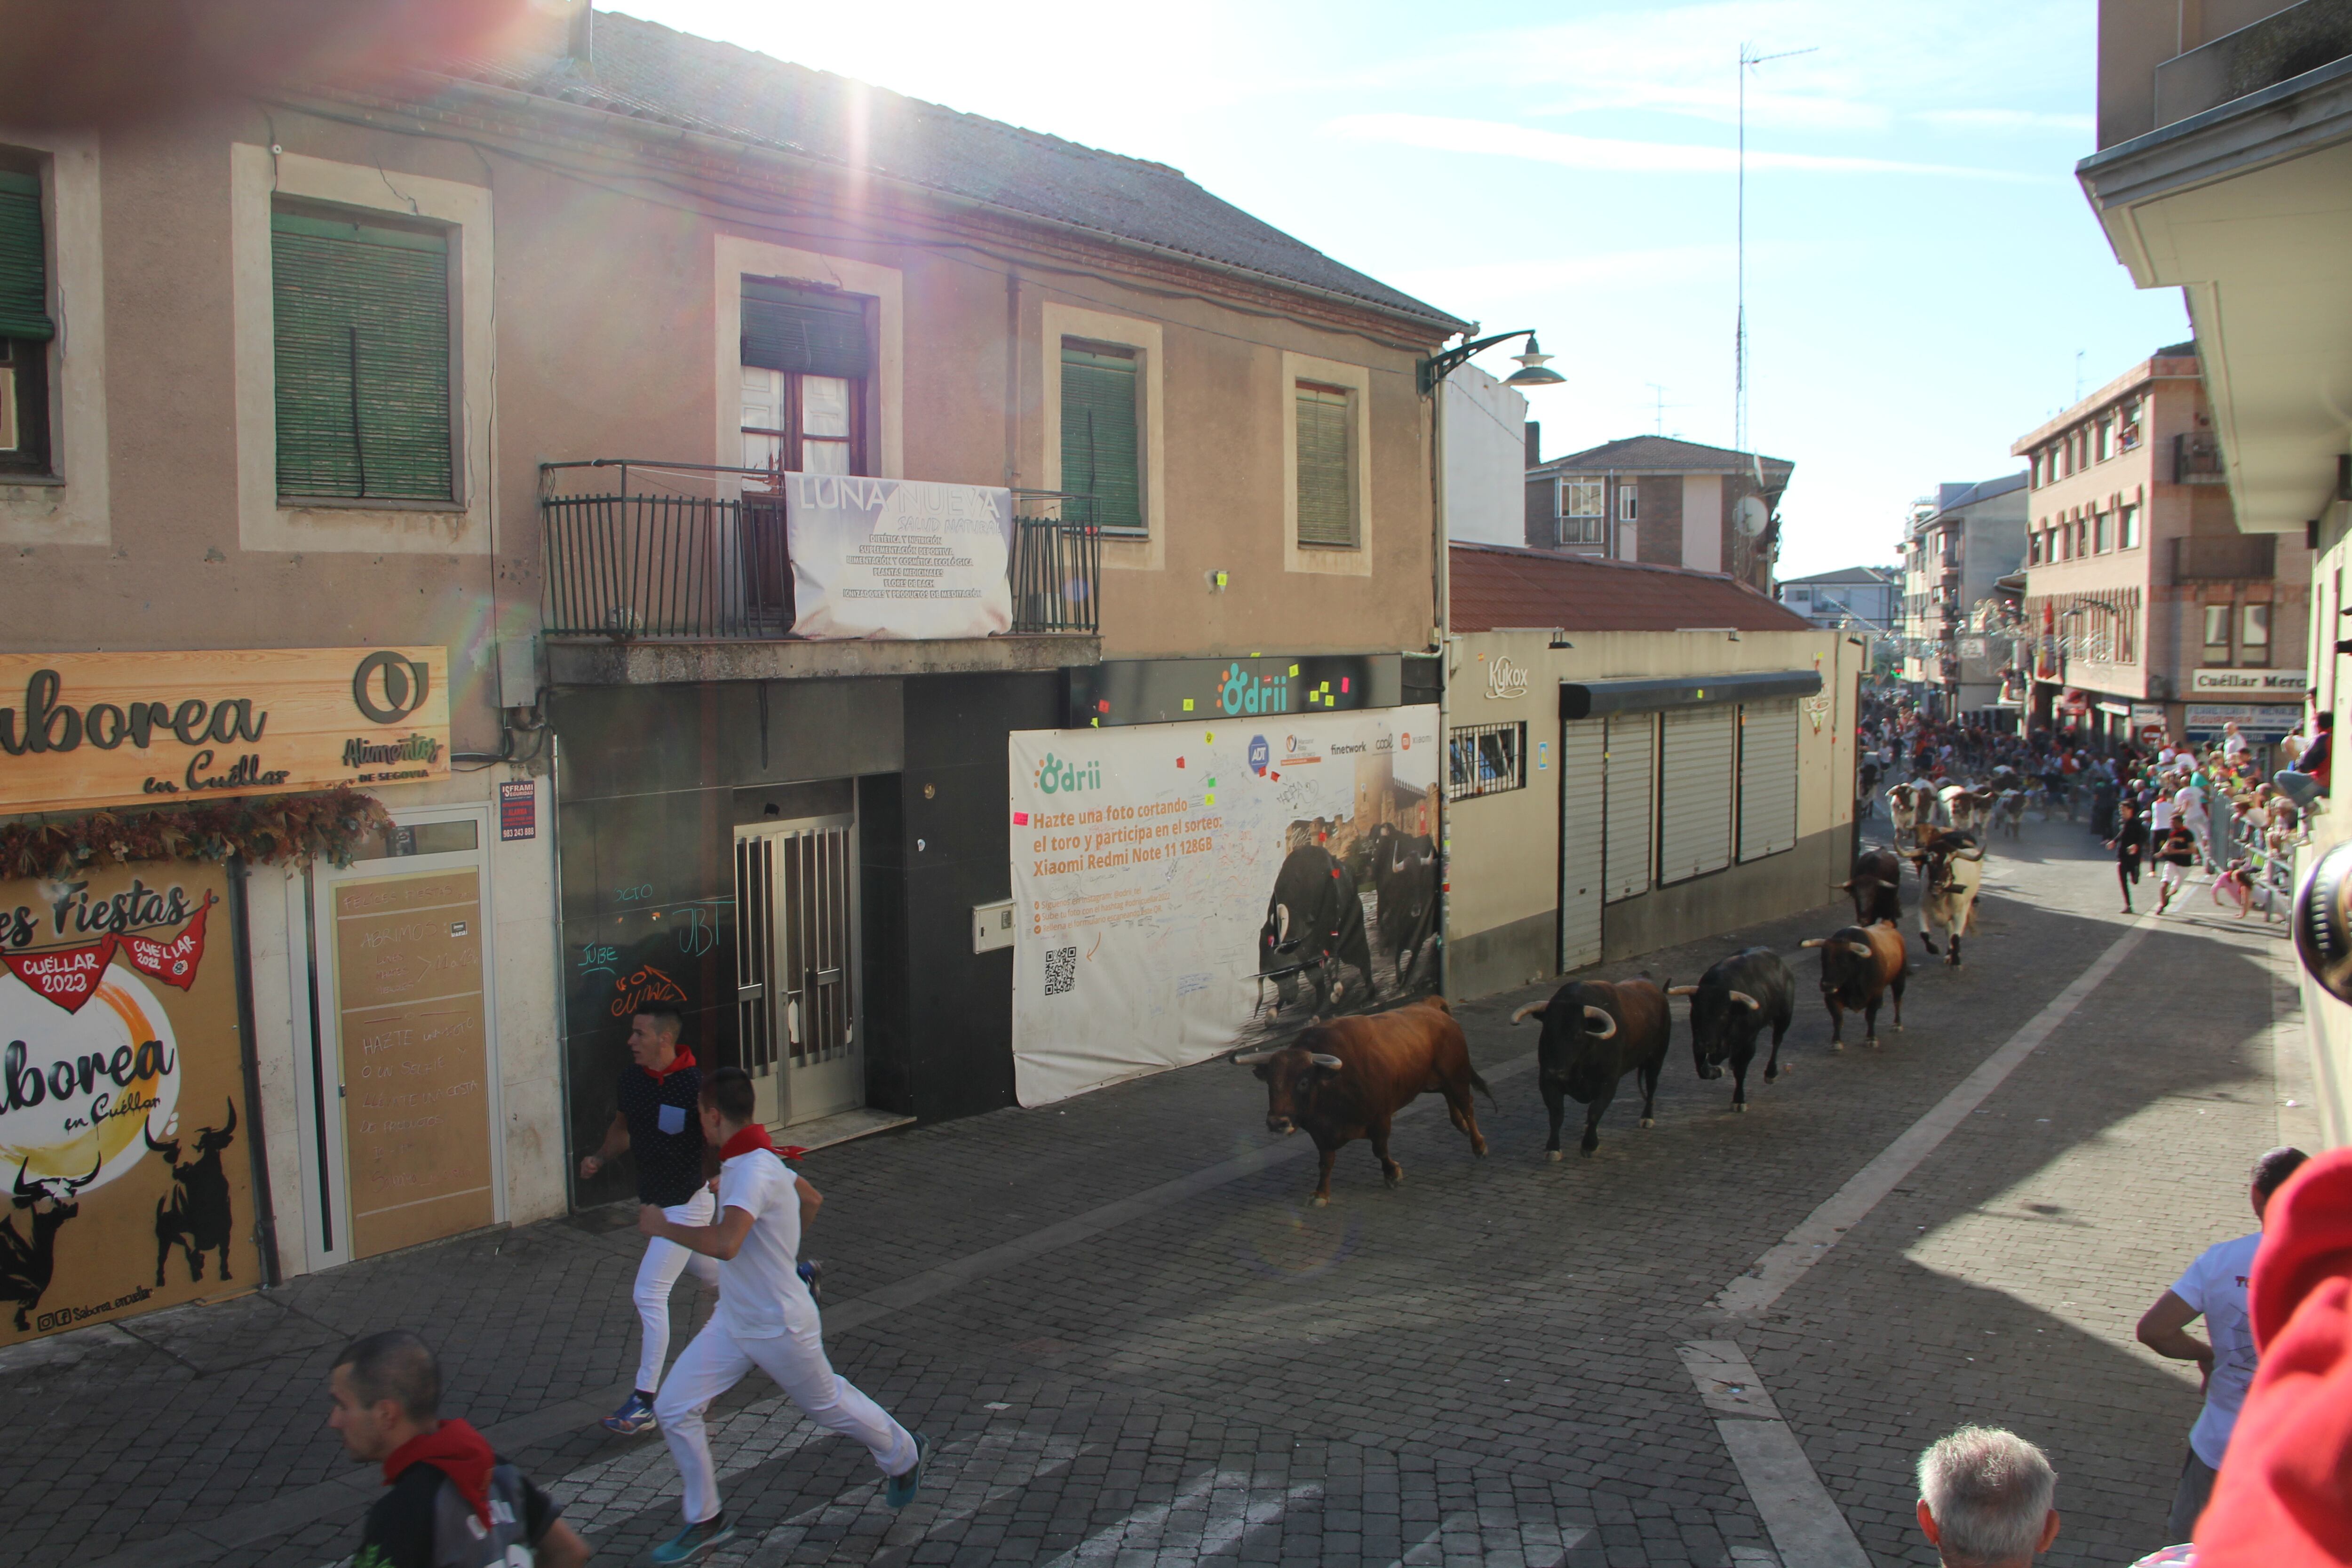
{"points": [[1348, 1077]]}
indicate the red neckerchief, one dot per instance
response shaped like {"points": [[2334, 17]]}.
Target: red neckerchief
{"points": [[749, 1136], [678, 1063], [458, 1452]]}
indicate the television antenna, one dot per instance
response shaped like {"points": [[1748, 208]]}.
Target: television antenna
{"points": [[1749, 60], [1659, 407]]}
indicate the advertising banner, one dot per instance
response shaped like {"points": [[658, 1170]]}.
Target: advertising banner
{"points": [[129, 1186], [2259, 721], [1180, 889], [896, 558], [87, 730], [2250, 685]]}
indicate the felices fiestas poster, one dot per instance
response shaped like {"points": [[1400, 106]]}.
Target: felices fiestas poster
{"points": [[121, 1141], [1180, 889]]}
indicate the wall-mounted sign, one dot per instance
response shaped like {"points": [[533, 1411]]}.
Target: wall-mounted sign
{"points": [[2262, 685], [143, 728], [2262, 721], [518, 810], [1182, 690], [126, 1159], [897, 558], [1505, 680], [1972, 648]]}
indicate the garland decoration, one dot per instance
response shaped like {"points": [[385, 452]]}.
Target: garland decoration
{"points": [[329, 825]]}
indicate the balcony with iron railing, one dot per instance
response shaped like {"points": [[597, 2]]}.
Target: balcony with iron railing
{"points": [[2196, 460], [2224, 557], [673, 571]]}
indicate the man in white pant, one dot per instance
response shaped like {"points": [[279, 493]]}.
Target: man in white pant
{"points": [[765, 1319], [658, 1122]]}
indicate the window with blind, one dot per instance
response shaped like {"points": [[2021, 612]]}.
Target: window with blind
{"points": [[806, 358], [25, 326], [1696, 761], [1327, 466], [362, 320], [1102, 455]]}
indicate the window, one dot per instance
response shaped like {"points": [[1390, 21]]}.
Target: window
{"points": [[2102, 541], [361, 321], [1486, 759], [1583, 511], [806, 362], [2106, 439], [2128, 527], [24, 327], [1629, 497], [1101, 454], [2217, 634], [2254, 634], [1327, 466]]}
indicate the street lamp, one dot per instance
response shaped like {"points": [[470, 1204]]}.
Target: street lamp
{"points": [[1533, 371]]}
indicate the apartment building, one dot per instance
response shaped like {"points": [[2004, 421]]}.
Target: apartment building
{"points": [[744, 528], [2225, 148], [1956, 548], [1663, 500], [1870, 597], [2146, 607]]}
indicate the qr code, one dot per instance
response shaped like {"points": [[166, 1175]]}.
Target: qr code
{"points": [[1061, 970]]}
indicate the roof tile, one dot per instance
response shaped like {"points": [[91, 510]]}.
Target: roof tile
{"points": [[1493, 585]]}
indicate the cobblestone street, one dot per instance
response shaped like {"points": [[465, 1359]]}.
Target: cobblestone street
{"points": [[1130, 1340]]}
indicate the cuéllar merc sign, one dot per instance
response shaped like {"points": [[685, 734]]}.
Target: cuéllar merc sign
{"points": [[82, 730]]}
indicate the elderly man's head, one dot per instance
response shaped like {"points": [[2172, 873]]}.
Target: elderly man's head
{"points": [[1986, 1499]]}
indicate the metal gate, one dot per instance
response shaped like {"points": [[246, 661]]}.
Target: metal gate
{"points": [[1581, 793], [796, 966]]}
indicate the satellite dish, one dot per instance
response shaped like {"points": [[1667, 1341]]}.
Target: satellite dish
{"points": [[1751, 515]]}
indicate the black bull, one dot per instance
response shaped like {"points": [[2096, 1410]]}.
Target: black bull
{"points": [[1314, 922], [1594, 1033], [1404, 883], [1730, 1005], [1876, 887], [27, 1263], [195, 1214]]}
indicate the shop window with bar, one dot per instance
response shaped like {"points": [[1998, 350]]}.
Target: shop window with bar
{"points": [[1486, 759]]}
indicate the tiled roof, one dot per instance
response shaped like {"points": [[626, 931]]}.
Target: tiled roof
{"points": [[1843, 574], [1662, 455], [1504, 585], [649, 72], [1954, 497]]}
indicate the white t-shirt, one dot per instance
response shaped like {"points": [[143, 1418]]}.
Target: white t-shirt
{"points": [[761, 1293], [2216, 1286], [2191, 802], [2234, 746], [2160, 816]]}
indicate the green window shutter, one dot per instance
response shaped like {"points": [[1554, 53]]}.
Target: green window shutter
{"points": [[808, 331], [24, 265], [363, 359], [1101, 455], [1326, 450]]}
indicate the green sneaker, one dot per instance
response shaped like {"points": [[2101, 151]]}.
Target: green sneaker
{"points": [[693, 1540], [903, 1485]]}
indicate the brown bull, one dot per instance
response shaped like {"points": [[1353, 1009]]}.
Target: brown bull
{"points": [[1347, 1078], [1875, 887], [1860, 966]]}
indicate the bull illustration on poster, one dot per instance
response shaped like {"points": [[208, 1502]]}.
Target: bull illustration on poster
{"points": [[1183, 889]]}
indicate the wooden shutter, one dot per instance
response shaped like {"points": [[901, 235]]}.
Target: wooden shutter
{"points": [[1101, 455], [23, 260], [363, 359], [1327, 514], [1582, 745], [813, 331], [1629, 802], [1768, 778], [1695, 763]]}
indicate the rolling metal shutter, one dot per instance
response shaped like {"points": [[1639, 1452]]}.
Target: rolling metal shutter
{"points": [[1326, 474], [23, 261], [1580, 818], [1629, 796], [1768, 778], [808, 331], [1695, 793], [1101, 455], [363, 359]]}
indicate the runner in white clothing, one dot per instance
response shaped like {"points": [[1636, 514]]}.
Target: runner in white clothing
{"points": [[766, 1319]]}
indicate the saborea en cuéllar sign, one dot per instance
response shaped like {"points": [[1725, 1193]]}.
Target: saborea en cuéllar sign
{"points": [[79, 730]]}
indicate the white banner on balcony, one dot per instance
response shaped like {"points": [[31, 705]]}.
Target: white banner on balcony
{"points": [[897, 558]]}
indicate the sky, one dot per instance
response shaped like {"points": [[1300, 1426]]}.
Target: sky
{"points": [[1924, 281]]}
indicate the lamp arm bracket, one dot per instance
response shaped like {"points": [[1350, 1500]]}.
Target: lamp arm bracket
{"points": [[1438, 366]]}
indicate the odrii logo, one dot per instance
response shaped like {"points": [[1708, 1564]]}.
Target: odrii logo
{"points": [[1245, 693], [1055, 776]]}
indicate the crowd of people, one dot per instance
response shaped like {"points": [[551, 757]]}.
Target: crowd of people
{"points": [[2183, 809]]}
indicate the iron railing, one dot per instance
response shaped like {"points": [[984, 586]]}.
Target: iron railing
{"points": [[648, 562], [2197, 459]]}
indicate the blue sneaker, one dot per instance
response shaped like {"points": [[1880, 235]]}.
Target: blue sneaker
{"points": [[634, 1415], [903, 1485], [693, 1540]]}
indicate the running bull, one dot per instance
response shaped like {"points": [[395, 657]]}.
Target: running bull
{"points": [[1314, 922], [1951, 870], [1876, 885], [1404, 883], [1347, 1078], [1730, 1005], [1860, 967], [194, 1215], [1594, 1033]]}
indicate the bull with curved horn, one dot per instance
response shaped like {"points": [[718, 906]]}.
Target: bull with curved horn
{"points": [[1594, 1033], [28, 1263], [196, 1215]]}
